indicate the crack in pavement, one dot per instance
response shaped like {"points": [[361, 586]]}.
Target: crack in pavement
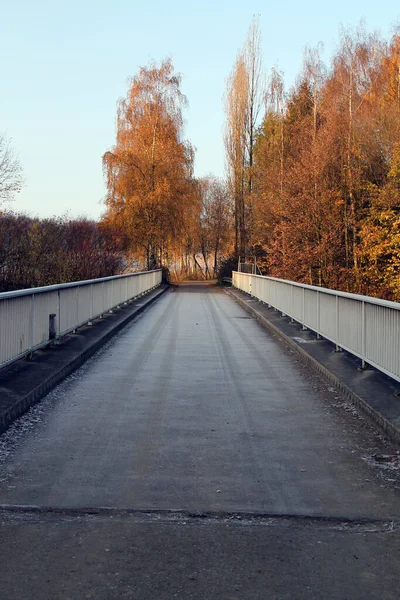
{"points": [[184, 517]]}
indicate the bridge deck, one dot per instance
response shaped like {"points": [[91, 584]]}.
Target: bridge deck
{"points": [[194, 407]]}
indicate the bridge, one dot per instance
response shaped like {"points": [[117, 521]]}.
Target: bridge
{"points": [[197, 454]]}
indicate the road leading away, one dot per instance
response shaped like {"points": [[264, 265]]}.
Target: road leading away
{"points": [[196, 457]]}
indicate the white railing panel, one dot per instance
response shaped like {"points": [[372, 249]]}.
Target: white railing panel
{"points": [[115, 293], [125, 290], [84, 304], [133, 287], [327, 316], [297, 305], [287, 298], [276, 294], [108, 299], [245, 282], [258, 287], [311, 309], [68, 309], [273, 293], [350, 326], [15, 340], [99, 298]]}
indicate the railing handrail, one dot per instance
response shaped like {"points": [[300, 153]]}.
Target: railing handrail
{"points": [[316, 288], [59, 286]]}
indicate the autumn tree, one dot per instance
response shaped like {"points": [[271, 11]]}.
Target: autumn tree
{"points": [[149, 170], [235, 146], [268, 168]]}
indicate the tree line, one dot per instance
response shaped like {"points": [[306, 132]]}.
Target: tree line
{"points": [[312, 187], [318, 184], [37, 252]]}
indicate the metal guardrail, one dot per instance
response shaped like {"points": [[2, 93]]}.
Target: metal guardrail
{"points": [[33, 318], [367, 327]]}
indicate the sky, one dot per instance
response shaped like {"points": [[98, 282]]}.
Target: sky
{"points": [[65, 65]]}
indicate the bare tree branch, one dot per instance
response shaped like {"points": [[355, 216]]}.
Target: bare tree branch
{"points": [[10, 171]]}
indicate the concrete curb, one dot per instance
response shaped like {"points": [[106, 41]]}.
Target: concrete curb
{"points": [[31, 398], [390, 431]]}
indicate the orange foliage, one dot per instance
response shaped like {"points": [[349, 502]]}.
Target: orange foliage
{"points": [[326, 193], [149, 170]]}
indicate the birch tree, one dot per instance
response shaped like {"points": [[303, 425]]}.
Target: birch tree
{"points": [[149, 170]]}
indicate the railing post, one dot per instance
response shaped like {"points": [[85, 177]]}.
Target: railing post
{"points": [[363, 340], [338, 348], [304, 328], [291, 304], [52, 326], [92, 309], [318, 317], [32, 332], [59, 315], [77, 307]]}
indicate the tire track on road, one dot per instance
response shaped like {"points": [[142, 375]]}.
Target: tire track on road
{"points": [[236, 397], [254, 350], [146, 447], [123, 388]]}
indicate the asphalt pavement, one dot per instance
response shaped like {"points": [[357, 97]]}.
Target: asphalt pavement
{"points": [[194, 456]]}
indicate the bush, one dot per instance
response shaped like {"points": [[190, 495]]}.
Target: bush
{"points": [[226, 267], [38, 252]]}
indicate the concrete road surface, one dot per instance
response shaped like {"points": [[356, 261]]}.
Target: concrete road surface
{"points": [[196, 457]]}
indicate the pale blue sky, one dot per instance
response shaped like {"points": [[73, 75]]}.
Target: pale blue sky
{"points": [[65, 64]]}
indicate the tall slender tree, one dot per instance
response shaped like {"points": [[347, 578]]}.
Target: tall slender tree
{"points": [[236, 109], [255, 92], [243, 102]]}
